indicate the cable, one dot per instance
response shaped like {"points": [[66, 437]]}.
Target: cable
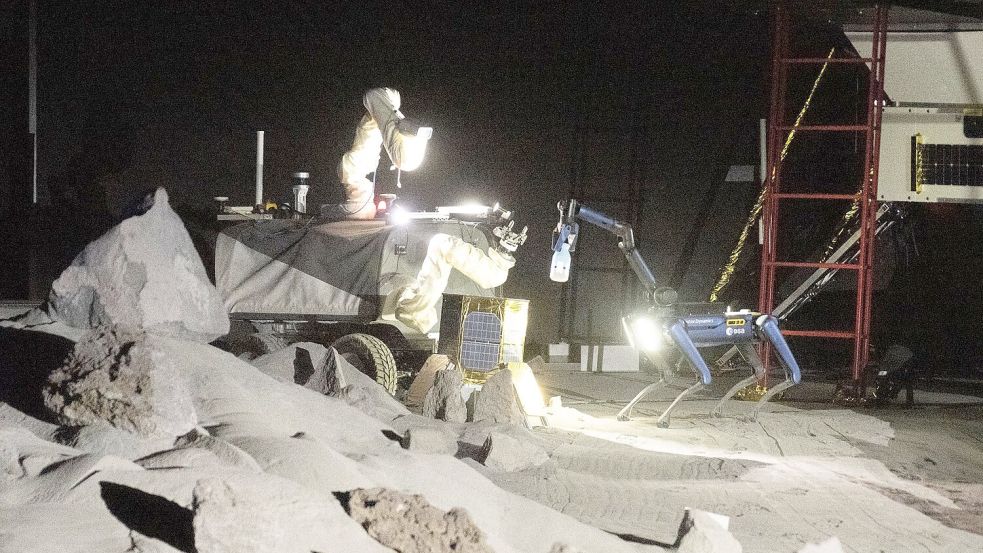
{"points": [[735, 255]]}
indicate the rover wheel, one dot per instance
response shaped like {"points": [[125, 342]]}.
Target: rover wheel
{"points": [[371, 356]]}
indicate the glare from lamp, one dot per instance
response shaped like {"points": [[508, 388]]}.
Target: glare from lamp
{"points": [[527, 390], [626, 329], [470, 208], [399, 216], [646, 334], [414, 148]]}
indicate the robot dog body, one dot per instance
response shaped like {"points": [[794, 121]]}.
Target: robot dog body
{"points": [[687, 332]]}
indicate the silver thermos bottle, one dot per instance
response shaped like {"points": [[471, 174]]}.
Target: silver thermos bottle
{"points": [[300, 192]]}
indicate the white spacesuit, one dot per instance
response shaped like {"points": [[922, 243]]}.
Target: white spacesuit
{"points": [[382, 126]]}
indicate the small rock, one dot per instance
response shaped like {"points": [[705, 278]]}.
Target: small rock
{"points": [[443, 401], [410, 524], [700, 533], [504, 453], [118, 376], [424, 380], [225, 521], [321, 373], [497, 402], [306, 364], [430, 440], [332, 375]]}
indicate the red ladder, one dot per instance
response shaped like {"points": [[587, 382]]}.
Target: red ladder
{"points": [[778, 130]]}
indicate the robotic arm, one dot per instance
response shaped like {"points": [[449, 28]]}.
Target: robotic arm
{"points": [[415, 304], [565, 243], [382, 126]]}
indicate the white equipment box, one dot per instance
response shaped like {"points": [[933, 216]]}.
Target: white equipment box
{"points": [[931, 154]]}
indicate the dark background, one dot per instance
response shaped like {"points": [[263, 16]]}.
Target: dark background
{"points": [[526, 100]]}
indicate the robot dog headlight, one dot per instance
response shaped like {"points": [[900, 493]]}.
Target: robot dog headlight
{"points": [[643, 332]]}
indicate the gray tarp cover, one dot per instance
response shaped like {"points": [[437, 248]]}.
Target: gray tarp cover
{"points": [[340, 269]]}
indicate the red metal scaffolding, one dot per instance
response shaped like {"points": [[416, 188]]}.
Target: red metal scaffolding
{"points": [[778, 130]]}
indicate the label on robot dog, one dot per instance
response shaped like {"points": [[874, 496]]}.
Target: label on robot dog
{"points": [[702, 321]]}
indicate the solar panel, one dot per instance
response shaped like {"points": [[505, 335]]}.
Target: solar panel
{"points": [[480, 341], [482, 334], [946, 165]]}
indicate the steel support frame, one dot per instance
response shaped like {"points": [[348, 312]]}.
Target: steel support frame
{"points": [[777, 128]]}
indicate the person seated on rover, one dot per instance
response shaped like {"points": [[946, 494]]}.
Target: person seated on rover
{"points": [[382, 126]]}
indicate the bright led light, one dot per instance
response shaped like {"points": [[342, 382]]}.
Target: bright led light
{"points": [[646, 334], [413, 148], [399, 216], [464, 209], [626, 328]]}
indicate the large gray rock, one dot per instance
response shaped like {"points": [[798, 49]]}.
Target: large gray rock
{"points": [[496, 401], [122, 378], [423, 381], [410, 524], [143, 273], [240, 515], [443, 401]]}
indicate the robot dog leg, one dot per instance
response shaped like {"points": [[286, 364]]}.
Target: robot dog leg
{"points": [[765, 328]]}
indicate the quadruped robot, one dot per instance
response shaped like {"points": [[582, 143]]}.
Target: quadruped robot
{"points": [[662, 323]]}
